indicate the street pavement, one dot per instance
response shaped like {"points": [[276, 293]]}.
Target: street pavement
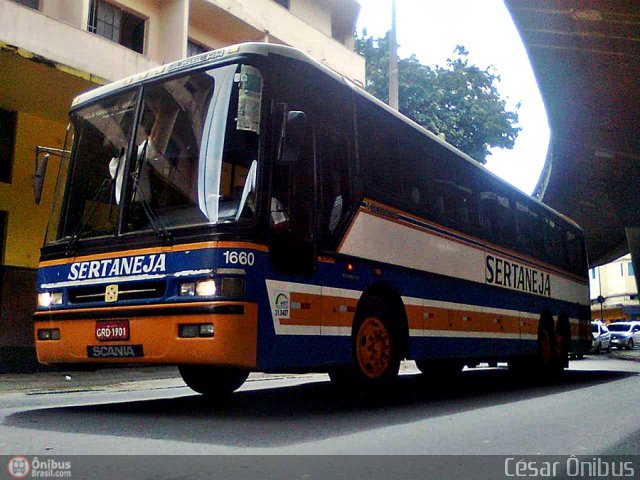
{"points": [[148, 377]]}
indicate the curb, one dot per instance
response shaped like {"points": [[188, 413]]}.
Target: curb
{"points": [[633, 356]]}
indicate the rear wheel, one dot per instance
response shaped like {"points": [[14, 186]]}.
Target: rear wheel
{"points": [[548, 359], [213, 381], [563, 342]]}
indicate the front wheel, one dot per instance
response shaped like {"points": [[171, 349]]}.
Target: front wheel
{"points": [[375, 349], [213, 381]]}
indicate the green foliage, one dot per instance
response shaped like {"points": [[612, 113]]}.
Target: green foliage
{"points": [[459, 102]]}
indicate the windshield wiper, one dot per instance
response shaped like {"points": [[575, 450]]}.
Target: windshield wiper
{"points": [[158, 228], [72, 246]]}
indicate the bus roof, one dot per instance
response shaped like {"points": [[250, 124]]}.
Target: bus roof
{"points": [[266, 49]]}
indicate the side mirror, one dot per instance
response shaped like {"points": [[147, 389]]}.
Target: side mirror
{"points": [[41, 168], [295, 130], [38, 177]]}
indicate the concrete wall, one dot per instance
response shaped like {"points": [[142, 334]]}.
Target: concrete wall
{"points": [[68, 45], [73, 12]]}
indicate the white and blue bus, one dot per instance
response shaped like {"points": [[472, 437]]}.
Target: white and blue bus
{"points": [[249, 209]]}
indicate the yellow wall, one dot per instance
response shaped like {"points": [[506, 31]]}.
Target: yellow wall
{"points": [[27, 221]]}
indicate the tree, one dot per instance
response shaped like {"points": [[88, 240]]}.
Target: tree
{"points": [[459, 102]]}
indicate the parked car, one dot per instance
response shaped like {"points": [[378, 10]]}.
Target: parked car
{"points": [[625, 334], [601, 337]]}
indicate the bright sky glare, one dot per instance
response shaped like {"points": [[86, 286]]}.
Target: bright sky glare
{"points": [[431, 29]]}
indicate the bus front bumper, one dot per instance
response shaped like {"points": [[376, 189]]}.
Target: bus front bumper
{"points": [[151, 339]]}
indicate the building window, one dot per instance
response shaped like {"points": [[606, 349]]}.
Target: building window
{"points": [[593, 273], [7, 141], [630, 269], [117, 25], [195, 48], [35, 4], [284, 3]]}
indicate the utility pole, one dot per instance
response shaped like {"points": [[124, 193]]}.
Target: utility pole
{"points": [[393, 60]]}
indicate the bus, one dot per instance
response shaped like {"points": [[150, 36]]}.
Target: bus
{"points": [[249, 209]]}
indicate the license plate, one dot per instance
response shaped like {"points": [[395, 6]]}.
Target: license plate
{"points": [[109, 330]]}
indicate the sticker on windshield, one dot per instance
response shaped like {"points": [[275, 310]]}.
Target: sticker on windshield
{"points": [[249, 99]]}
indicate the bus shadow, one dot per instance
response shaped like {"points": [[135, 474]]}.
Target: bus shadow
{"points": [[297, 414]]}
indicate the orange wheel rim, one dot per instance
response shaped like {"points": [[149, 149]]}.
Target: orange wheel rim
{"points": [[373, 348]]}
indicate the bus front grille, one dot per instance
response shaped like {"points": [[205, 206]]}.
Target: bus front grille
{"points": [[113, 293]]}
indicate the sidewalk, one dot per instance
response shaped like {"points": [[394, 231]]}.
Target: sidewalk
{"points": [[633, 355], [83, 381], [124, 378]]}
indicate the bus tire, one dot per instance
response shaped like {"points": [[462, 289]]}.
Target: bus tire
{"points": [[375, 347], [213, 381], [563, 341], [546, 350]]}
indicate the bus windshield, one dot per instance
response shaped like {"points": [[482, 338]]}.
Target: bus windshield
{"points": [[192, 161]]}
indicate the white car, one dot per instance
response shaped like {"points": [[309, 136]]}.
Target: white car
{"points": [[601, 337], [625, 334]]}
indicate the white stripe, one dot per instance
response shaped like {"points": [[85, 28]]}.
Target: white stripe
{"points": [[383, 240], [461, 334], [98, 281]]}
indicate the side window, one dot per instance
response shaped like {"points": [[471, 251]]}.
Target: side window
{"points": [[451, 190], [415, 174], [574, 252], [496, 215], [335, 193], [553, 241], [378, 146], [530, 228]]}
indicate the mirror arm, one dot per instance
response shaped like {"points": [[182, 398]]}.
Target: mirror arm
{"points": [[41, 168]]}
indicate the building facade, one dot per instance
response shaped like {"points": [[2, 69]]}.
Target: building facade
{"points": [[52, 50], [614, 294]]}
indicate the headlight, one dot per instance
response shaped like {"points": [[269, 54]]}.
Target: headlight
{"points": [[222, 287], [46, 299], [206, 288], [200, 288]]}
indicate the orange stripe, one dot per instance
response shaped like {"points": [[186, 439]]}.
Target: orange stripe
{"points": [[328, 311], [157, 250]]}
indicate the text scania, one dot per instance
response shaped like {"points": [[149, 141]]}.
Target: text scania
{"points": [[512, 275], [117, 267]]}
